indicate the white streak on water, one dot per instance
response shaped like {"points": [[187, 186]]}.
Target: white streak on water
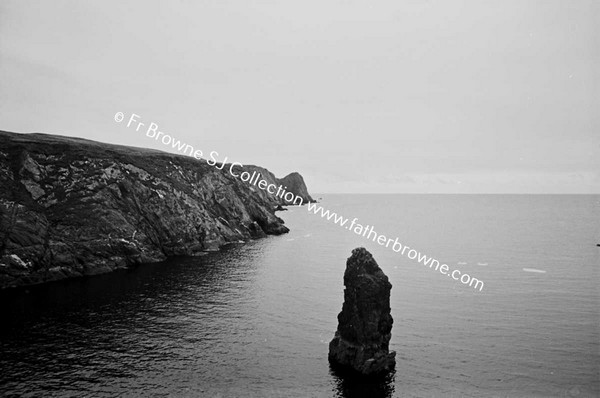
{"points": [[539, 271]]}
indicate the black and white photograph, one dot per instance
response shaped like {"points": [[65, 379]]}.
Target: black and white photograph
{"points": [[300, 199]]}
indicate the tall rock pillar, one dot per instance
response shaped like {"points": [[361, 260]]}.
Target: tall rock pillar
{"points": [[361, 341]]}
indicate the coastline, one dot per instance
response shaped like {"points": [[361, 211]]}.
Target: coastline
{"points": [[71, 207]]}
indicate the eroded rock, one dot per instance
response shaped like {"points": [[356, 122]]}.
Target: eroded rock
{"points": [[362, 339]]}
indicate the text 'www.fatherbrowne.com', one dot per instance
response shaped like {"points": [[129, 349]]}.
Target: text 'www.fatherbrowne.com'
{"points": [[369, 233]]}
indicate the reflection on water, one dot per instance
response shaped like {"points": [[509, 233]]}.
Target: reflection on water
{"points": [[226, 324], [350, 385]]}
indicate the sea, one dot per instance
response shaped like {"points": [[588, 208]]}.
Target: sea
{"points": [[255, 319]]}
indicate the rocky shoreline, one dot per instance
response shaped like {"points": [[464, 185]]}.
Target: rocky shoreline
{"points": [[71, 207]]}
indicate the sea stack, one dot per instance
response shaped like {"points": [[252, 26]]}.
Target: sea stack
{"points": [[361, 341]]}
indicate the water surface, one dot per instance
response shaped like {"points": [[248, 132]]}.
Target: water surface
{"points": [[255, 319]]}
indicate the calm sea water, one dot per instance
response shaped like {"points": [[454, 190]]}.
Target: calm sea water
{"points": [[255, 320]]}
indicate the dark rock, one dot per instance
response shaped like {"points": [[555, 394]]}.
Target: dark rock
{"points": [[362, 339], [72, 207], [295, 183]]}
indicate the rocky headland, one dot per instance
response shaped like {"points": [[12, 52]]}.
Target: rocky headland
{"points": [[72, 207], [293, 182], [361, 342]]}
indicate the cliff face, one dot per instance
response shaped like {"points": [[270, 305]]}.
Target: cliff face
{"points": [[72, 207], [361, 341]]}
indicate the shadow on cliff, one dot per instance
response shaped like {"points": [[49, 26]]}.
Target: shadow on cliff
{"points": [[350, 384]]}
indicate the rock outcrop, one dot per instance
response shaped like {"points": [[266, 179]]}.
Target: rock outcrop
{"points": [[362, 339], [292, 182], [295, 183], [72, 207]]}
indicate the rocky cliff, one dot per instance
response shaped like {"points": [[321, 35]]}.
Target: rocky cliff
{"points": [[292, 182], [361, 341], [72, 207], [295, 183]]}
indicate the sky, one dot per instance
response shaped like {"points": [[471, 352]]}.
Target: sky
{"points": [[358, 96]]}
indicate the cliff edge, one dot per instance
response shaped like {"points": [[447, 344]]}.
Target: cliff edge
{"points": [[72, 207]]}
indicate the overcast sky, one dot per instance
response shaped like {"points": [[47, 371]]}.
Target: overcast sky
{"points": [[369, 96]]}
